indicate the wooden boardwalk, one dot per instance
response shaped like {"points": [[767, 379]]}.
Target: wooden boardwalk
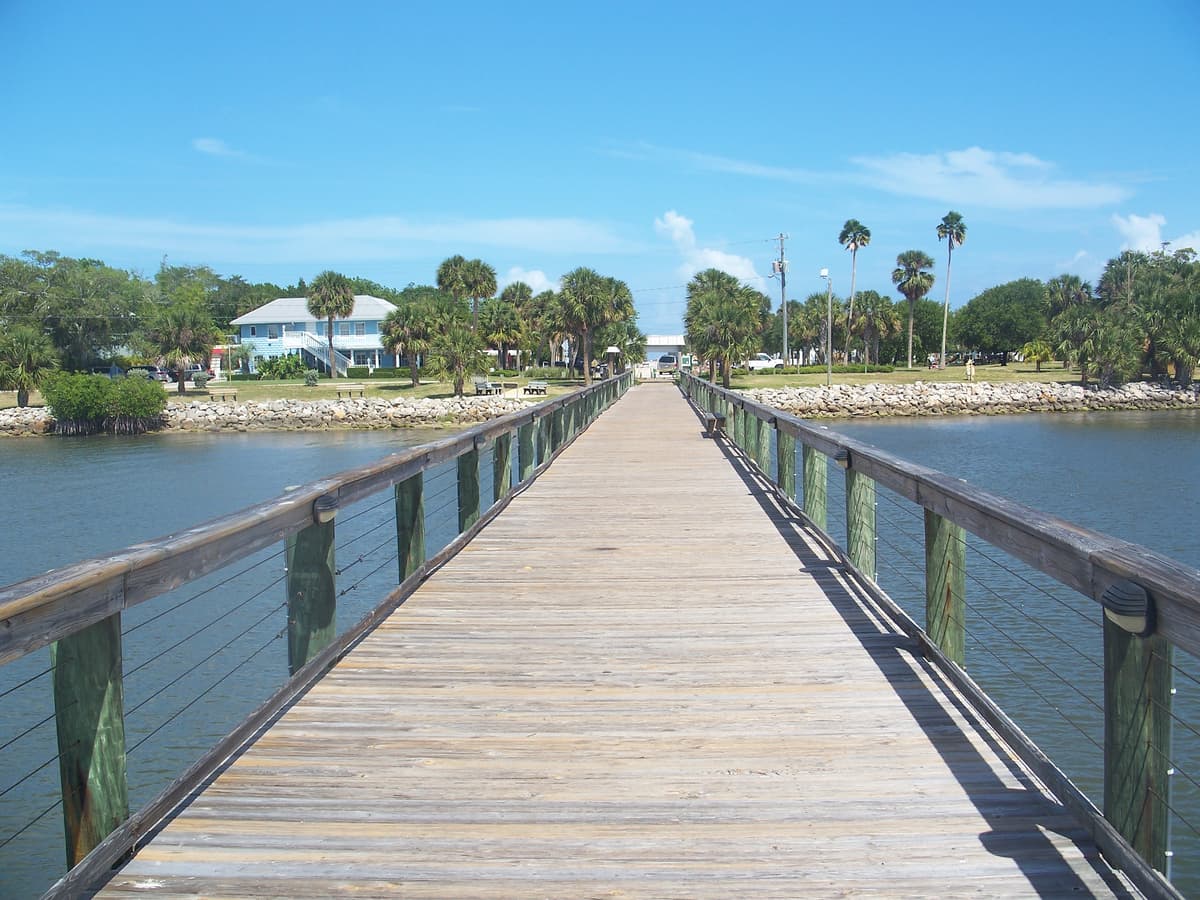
{"points": [[642, 680]]}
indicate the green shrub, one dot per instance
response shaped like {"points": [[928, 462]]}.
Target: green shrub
{"points": [[282, 368], [310, 377], [390, 372], [357, 372], [200, 379], [86, 404]]}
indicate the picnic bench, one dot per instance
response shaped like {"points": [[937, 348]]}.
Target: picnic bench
{"points": [[535, 387], [221, 392], [350, 390], [483, 386]]}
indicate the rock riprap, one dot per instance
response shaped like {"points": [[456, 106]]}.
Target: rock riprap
{"points": [[298, 415], [978, 398]]}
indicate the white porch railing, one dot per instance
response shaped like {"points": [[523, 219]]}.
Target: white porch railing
{"points": [[306, 340]]}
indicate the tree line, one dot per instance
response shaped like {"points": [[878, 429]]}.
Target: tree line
{"points": [[63, 313]]}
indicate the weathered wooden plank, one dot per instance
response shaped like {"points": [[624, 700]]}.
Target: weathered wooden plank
{"points": [[311, 593], [501, 466], [816, 484], [945, 586], [468, 489], [860, 523], [671, 725]]}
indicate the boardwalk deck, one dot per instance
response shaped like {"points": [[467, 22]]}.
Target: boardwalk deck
{"points": [[643, 679]]}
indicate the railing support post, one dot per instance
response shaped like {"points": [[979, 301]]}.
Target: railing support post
{"points": [[311, 593], [525, 457], [945, 585], [762, 445], [785, 464], [89, 709], [501, 467], [816, 474], [468, 490], [410, 524], [545, 426], [1137, 739], [860, 523], [557, 428]]}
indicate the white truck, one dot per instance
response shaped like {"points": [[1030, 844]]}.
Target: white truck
{"points": [[762, 361]]}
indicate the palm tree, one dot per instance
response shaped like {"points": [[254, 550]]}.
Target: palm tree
{"points": [[854, 235], [1075, 332], [913, 279], [1038, 351], [954, 230], [723, 320], [480, 281], [500, 326], [590, 301], [452, 277], [408, 330], [456, 352], [184, 334], [27, 359], [879, 321], [520, 296], [330, 296]]}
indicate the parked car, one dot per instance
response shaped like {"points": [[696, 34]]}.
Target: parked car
{"points": [[189, 372], [762, 361], [154, 373], [668, 364], [112, 371]]}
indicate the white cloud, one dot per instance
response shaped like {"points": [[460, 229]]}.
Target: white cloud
{"points": [[695, 259], [215, 147], [1145, 233], [1081, 257], [978, 177], [349, 240], [535, 278]]}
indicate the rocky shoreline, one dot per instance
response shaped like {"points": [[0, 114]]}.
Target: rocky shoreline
{"points": [[837, 401], [296, 415], [977, 398]]}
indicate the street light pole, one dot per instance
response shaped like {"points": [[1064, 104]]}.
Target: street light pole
{"points": [[828, 327]]}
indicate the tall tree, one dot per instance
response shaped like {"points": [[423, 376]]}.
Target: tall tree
{"points": [[499, 326], [330, 296], [722, 320], [27, 359], [590, 301], [853, 236], [913, 279], [879, 320], [954, 230], [452, 277], [409, 330], [184, 334], [480, 281]]}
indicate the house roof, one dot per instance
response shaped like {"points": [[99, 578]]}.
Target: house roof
{"points": [[295, 309], [655, 340]]}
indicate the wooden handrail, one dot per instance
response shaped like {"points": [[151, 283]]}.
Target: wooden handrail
{"points": [[42, 609], [1085, 560]]}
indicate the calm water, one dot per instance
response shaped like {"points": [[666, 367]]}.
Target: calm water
{"points": [[220, 651]]}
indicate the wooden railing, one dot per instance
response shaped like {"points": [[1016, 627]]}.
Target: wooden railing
{"points": [[1151, 604], [77, 610]]}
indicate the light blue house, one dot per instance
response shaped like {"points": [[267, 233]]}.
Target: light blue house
{"points": [[285, 327]]}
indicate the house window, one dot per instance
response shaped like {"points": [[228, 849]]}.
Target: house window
{"points": [[272, 332], [343, 328], [253, 331], [360, 328]]}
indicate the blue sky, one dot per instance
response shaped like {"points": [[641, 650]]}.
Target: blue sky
{"points": [[647, 140]]}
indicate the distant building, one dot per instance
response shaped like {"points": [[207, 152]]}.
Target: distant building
{"points": [[285, 327], [658, 344]]}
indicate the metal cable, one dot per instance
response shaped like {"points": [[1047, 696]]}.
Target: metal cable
{"points": [[27, 681], [214, 653]]}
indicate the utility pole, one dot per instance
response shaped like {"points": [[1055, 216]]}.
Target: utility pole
{"points": [[779, 267]]}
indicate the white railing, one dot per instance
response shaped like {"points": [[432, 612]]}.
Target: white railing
{"points": [[306, 340]]}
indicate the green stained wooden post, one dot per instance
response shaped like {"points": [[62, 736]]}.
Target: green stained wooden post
{"points": [[468, 490], [545, 427], [816, 474], [739, 427], [785, 464], [525, 458], [311, 593], [501, 467], [410, 524], [556, 429], [945, 585], [764, 446], [89, 712], [860, 523], [1137, 739]]}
